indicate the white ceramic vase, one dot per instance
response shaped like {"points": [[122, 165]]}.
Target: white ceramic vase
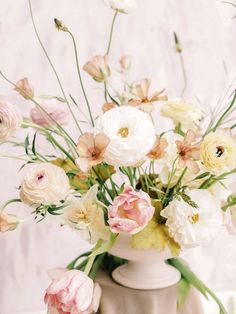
{"points": [[145, 270]]}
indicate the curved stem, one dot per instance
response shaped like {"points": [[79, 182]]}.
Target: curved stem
{"points": [[52, 66], [14, 200], [111, 32], [80, 78]]}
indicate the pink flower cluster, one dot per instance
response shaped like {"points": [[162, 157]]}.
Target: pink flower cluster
{"points": [[72, 292], [130, 212]]}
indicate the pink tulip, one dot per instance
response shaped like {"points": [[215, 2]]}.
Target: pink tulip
{"points": [[53, 111], [8, 222], [72, 292], [130, 212]]}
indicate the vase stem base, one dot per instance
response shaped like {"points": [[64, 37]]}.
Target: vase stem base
{"points": [[146, 275]]}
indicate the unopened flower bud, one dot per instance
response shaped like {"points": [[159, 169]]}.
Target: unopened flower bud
{"points": [[178, 46], [60, 25]]}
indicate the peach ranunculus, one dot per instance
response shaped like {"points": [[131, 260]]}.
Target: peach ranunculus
{"points": [[125, 63], [53, 111], [72, 291], [8, 222], [158, 149], [24, 89], [91, 150], [98, 68], [142, 99], [130, 211], [189, 151], [108, 105], [10, 119]]}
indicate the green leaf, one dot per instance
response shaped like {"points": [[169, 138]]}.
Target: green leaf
{"points": [[202, 175], [182, 292], [189, 276], [155, 236], [26, 145], [187, 199], [33, 144]]}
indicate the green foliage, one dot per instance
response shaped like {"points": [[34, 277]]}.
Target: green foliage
{"points": [[53, 209], [187, 199], [155, 236], [193, 280], [182, 292]]}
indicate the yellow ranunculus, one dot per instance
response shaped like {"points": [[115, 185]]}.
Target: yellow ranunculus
{"points": [[218, 151]]}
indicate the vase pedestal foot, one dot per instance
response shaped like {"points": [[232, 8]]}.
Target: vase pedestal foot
{"points": [[146, 275]]}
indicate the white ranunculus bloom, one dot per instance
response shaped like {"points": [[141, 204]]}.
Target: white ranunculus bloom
{"points": [[131, 133], [10, 119], [123, 6], [191, 226], [44, 183], [187, 114]]}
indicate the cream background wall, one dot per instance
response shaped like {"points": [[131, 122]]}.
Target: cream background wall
{"points": [[207, 33]]}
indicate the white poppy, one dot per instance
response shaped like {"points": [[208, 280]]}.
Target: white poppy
{"points": [[191, 226]]}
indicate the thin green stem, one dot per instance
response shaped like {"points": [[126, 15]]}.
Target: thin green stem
{"points": [[66, 135], [227, 111], [111, 32], [52, 65], [184, 74], [80, 77], [105, 91]]}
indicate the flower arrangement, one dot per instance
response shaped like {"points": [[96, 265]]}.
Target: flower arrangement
{"points": [[165, 191]]}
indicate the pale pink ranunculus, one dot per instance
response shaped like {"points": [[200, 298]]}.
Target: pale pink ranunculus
{"points": [[24, 89], [130, 212], [72, 291], [53, 111], [8, 222], [10, 119]]}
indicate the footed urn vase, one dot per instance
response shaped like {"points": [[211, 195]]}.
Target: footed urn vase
{"points": [[146, 269]]}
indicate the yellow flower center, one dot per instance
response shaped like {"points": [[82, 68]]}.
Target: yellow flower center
{"points": [[194, 218], [123, 132], [219, 151]]}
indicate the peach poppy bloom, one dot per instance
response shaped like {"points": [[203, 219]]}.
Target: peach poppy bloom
{"points": [[158, 149], [189, 151], [24, 89], [98, 68], [108, 105], [91, 150], [142, 98]]}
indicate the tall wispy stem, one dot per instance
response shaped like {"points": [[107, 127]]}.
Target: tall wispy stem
{"points": [[52, 66], [111, 32]]}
